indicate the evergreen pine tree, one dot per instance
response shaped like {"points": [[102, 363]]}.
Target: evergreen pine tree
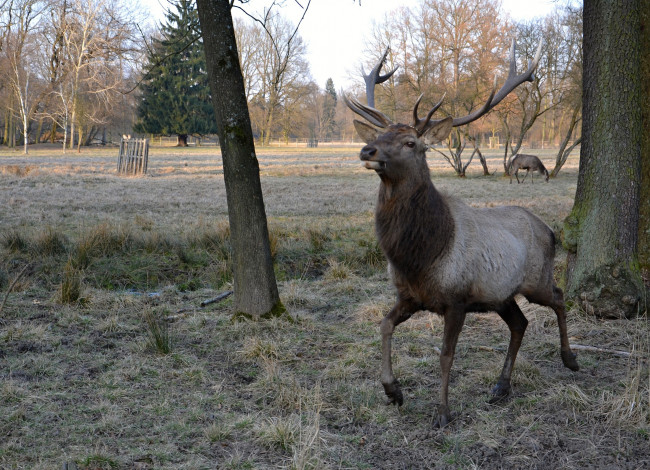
{"points": [[175, 91], [329, 110]]}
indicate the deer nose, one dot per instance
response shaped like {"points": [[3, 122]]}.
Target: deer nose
{"points": [[368, 152]]}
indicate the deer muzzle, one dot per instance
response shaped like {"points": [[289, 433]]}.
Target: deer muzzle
{"points": [[369, 159]]}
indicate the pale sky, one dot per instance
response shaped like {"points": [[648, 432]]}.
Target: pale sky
{"points": [[334, 30]]}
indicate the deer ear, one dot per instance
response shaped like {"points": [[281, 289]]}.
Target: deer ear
{"points": [[438, 132], [366, 131]]}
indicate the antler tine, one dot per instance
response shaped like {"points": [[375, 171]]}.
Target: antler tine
{"points": [[421, 124], [374, 78], [512, 82], [382, 78], [371, 115]]}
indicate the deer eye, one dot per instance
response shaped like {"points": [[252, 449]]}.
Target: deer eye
{"points": [[410, 144]]}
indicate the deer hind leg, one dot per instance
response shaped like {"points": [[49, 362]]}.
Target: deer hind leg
{"points": [[401, 312], [517, 323], [568, 356], [454, 320]]}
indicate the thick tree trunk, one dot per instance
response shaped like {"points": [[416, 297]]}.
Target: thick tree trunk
{"points": [[644, 213], [256, 292], [181, 140], [601, 233]]}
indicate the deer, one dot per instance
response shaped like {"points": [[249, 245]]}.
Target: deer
{"points": [[447, 257], [530, 163]]}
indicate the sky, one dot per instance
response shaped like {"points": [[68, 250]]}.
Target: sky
{"points": [[334, 30]]}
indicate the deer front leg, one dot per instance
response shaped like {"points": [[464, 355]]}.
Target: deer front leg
{"points": [[454, 320], [401, 312], [524, 179]]}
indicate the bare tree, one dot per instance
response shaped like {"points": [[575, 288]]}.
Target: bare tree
{"points": [[249, 39], [281, 69], [570, 26], [554, 94], [459, 45], [19, 47], [98, 40]]}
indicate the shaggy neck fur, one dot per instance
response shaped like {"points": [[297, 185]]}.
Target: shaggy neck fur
{"points": [[414, 225]]}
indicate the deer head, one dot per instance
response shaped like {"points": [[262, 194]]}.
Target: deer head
{"points": [[401, 139]]}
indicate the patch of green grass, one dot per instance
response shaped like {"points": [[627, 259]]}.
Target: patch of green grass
{"points": [[98, 462], [50, 242], [218, 432], [16, 241]]}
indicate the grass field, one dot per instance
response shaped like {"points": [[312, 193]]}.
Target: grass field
{"points": [[107, 359]]}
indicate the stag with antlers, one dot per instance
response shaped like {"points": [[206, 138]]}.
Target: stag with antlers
{"points": [[447, 257]]}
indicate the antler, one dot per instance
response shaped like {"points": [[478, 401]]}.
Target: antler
{"points": [[379, 119], [371, 115], [373, 78], [421, 124], [512, 82]]}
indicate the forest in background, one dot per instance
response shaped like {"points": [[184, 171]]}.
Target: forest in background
{"points": [[72, 72]]}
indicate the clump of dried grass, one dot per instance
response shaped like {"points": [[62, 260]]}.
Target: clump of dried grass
{"points": [[630, 403], [101, 240], [279, 432], [157, 332], [16, 241], [372, 311], [70, 288], [338, 270], [50, 242], [317, 238], [17, 170]]}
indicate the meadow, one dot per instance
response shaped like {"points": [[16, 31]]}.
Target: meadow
{"points": [[109, 361]]}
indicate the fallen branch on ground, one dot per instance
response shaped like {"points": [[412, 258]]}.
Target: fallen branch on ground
{"points": [[581, 347], [218, 298]]}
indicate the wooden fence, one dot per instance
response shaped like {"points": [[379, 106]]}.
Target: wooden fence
{"points": [[134, 156]]}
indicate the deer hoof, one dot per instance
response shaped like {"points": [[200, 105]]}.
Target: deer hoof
{"points": [[569, 360], [394, 393], [500, 392], [444, 417]]}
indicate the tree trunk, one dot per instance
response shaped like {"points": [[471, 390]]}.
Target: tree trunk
{"points": [[73, 118], [601, 233], [81, 134], [181, 140], [256, 292], [53, 132], [644, 213]]}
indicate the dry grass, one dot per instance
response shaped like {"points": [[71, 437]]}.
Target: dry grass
{"points": [[87, 383]]}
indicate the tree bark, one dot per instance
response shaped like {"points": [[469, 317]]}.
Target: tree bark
{"points": [[256, 292], [601, 233], [644, 213]]}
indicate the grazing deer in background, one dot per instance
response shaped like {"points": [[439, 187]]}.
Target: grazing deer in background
{"points": [[530, 163], [447, 257]]}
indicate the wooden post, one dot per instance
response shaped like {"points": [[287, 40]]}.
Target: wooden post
{"points": [[133, 158]]}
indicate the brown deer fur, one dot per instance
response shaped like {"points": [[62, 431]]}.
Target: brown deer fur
{"points": [[447, 257], [530, 163]]}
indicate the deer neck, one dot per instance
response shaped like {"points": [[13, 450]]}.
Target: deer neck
{"points": [[412, 220]]}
